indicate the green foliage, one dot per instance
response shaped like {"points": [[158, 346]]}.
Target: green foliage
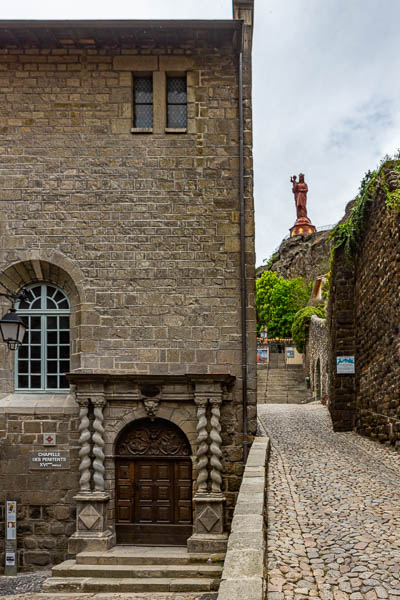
{"points": [[278, 300], [349, 233], [301, 325]]}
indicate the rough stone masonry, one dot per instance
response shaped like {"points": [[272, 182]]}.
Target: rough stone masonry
{"points": [[142, 233]]}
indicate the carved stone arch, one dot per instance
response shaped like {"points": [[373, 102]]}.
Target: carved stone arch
{"points": [[49, 266], [55, 268], [181, 418], [158, 437]]}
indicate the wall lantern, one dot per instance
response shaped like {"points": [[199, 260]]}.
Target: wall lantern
{"points": [[11, 325], [12, 329]]}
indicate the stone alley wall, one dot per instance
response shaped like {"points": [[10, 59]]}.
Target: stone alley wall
{"points": [[364, 321]]}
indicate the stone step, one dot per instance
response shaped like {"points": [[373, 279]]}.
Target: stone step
{"points": [[147, 555], [115, 585], [69, 569]]}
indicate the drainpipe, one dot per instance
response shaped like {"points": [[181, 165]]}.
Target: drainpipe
{"points": [[243, 287]]}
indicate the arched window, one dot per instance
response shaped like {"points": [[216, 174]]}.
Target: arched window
{"points": [[43, 358]]}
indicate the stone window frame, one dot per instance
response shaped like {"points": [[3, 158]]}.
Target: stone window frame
{"points": [[160, 67]]}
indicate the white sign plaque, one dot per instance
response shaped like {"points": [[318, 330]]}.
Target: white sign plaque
{"points": [[49, 439], [345, 365], [49, 459], [10, 559]]}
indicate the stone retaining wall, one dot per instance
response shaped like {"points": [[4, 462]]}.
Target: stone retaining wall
{"points": [[317, 357], [364, 323], [244, 571]]}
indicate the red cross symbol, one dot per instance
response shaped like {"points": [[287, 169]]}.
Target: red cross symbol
{"points": [[49, 438]]}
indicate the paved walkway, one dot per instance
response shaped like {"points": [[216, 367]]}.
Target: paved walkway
{"points": [[333, 510], [149, 596]]}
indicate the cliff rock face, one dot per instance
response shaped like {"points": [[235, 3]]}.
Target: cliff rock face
{"points": [[302, 256]]}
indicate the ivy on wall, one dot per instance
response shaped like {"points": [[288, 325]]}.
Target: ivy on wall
{"points": [[349, 233]]}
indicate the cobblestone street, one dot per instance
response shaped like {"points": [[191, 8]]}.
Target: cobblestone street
{"points": [[334, 509]]}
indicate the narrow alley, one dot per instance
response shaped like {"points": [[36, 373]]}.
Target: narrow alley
{"points": [[333, 509]]}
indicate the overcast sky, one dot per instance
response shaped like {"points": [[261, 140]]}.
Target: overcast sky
{"points": [[326, 93]]}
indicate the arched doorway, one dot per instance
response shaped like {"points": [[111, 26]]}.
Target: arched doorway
{"points": [[153, 479]]}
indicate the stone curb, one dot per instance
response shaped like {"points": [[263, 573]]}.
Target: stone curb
{"points": [[243, 575]]}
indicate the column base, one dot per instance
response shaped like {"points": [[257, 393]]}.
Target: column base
{"points": [[92, 532], [208, 533], [207, 544]]}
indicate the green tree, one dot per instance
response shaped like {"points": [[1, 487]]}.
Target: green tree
{"points": [[278, 300], [301, 325]]}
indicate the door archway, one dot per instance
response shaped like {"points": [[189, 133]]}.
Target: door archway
{"points": [[153, 484]]}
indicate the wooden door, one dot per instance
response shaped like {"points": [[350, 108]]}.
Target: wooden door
{"points": [[153, 492]]}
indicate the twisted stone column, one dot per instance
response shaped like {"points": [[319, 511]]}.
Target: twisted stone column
{"points": [[215, 446], [202, 445], [98, 441], [84, 441]]}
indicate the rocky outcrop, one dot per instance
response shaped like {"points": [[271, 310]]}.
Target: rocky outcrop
{"points": [[301, 256]]}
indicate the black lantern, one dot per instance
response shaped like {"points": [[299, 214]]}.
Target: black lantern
{"points": [[12, 329]]}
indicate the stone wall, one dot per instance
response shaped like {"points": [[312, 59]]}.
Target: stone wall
{"points": [[364, 322], [316, 358], [244, 574], [142, 231], [46, 510]]}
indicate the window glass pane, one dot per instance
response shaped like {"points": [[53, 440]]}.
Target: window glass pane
{"points": [[64, 322], [52, 322], [36, 322], [59, 296], [144, 115], [176, 90], [52, 366], [35, 382], [37, 303], [177, 116], [23, 352], [23, 381], [143, 89], [63, 382], [50, 291], [64, 351], [35, 337], [64, 337], [63, 304], [36, 291], [23, 366], [50, 304], [52, 337], [36, 352], [52, 381], [64, 366], [35, 366], [52, 352]]}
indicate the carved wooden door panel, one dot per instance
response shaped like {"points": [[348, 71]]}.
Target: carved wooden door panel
{"points": [[153, 485]]}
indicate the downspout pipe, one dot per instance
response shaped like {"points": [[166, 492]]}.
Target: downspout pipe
{"points": [[243, 286]]}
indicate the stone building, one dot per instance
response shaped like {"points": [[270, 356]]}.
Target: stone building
{"points": [[127, 213], [363, 320], [316, 358]]}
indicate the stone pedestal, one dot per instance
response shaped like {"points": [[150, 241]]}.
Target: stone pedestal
{"points": [[303, 226], [209, 533], [92, 532]]}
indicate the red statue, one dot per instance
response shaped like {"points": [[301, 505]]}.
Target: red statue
{"points": [[303, 225], [300, 190]]}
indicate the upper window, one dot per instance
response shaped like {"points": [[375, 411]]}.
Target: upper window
{"points": [[176, 103], [143, 105], [43, 358]]}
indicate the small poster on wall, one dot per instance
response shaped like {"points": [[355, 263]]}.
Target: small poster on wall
{"points": [[345, 365]]}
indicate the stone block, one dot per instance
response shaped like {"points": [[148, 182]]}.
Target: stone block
{"points": [[238, 589]]}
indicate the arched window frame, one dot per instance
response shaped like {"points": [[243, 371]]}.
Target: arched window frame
{"points": [[44, 356]]}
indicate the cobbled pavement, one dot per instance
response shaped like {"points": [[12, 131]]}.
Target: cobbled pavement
{"points": [[333, 509]]}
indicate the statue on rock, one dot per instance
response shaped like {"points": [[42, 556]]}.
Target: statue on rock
{"points": [[303, 225]]}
